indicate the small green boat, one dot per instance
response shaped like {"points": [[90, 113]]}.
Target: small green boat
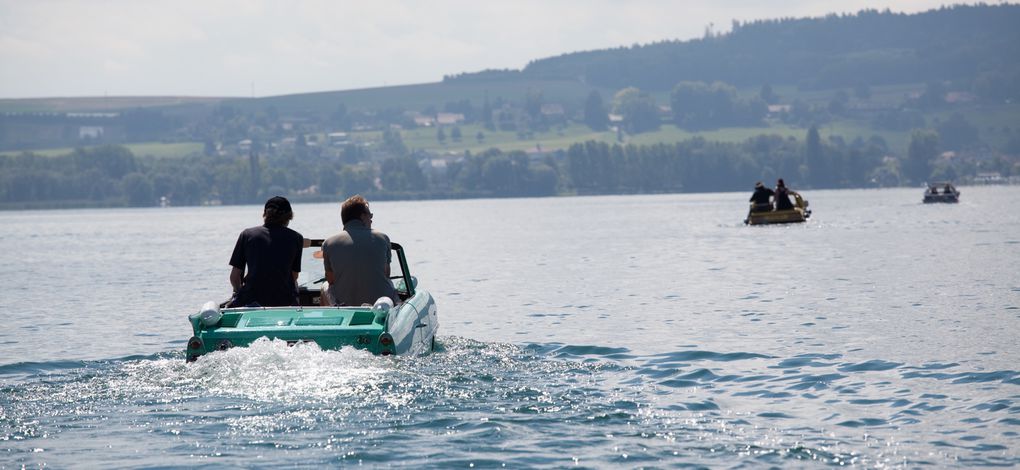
{"points": [[406, 328]]}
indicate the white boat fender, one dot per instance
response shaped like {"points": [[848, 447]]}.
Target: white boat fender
{"points": [[382, 307], [210, 314]]}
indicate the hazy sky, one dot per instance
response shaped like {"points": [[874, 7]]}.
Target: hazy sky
{"points": [[54, 48]]}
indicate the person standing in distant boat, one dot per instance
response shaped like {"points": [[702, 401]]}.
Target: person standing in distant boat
{"points": [[357, 260], [761, 198], [783, 196], [272, 255]]}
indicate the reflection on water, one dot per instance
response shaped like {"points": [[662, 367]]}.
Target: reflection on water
{"points": [[600, 332]]}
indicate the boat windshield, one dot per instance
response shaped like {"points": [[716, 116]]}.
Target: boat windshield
{"points": [[312, 271]]}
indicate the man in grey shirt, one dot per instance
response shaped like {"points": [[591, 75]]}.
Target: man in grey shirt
{"points": [[357, 260]]}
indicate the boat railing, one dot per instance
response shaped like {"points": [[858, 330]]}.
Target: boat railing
{"points": [[405, 273]]}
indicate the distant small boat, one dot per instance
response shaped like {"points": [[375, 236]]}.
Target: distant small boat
{"points": [[941, 192], [799, 213]]}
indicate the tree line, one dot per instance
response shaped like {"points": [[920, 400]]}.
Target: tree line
{"points": [[113, 176]]}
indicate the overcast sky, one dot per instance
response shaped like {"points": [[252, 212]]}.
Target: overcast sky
{"points": [[51, 48]]}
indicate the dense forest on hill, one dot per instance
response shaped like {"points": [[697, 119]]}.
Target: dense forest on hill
{"points": [[961, 43], [863, 100]]}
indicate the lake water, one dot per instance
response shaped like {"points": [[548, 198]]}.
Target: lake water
{"points": [[598, 332]]}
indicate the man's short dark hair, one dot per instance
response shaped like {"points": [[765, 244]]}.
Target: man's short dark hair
{"points": [[352, 208], [277, 211]]}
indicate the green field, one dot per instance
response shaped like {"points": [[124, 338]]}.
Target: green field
{"points": [[144, 149]]}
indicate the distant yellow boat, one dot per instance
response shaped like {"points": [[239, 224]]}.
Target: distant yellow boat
{"points": [[799, 213]]}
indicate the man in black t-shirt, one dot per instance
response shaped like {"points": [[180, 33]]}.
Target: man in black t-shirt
{"points": [[761, 198], [272, 254]]}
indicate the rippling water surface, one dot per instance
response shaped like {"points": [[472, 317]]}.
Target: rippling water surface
{"points": [[604, 332]]}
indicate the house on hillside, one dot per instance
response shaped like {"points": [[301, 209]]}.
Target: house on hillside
{"points": [[449, 119], [442, 119], [338, 139], [288, 143], [554, 113], [989, 177], [90, 132], [422, 121], [289, 123], [960, 97], [432, 166], [553, 110], [435, 168]]}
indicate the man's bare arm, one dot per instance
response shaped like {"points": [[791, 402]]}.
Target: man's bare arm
{"points": [[236, 278]]}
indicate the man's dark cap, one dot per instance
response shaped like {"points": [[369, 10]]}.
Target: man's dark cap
{"points": [[280, 203]]}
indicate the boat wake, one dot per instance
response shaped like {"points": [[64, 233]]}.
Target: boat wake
{"points": [[270, 370], [704, 407]]}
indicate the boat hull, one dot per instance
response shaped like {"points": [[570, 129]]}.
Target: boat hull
{"points": [[941, 198], [408, 328], [777, 217]]}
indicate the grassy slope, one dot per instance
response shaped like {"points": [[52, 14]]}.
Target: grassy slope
{"points": [[97, 103], [418, 97], [990, 120], [145, 149]]}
